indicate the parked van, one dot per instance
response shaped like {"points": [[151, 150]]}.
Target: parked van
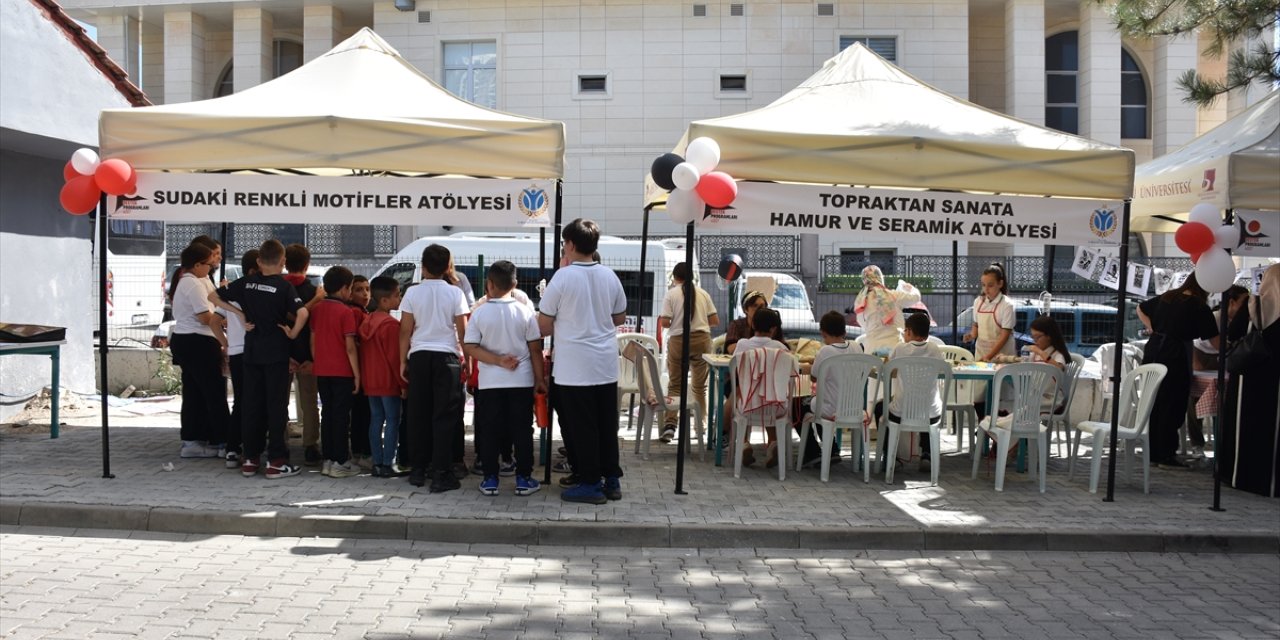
{"points": [[790, 300], [473, 252], [1085, 326]]}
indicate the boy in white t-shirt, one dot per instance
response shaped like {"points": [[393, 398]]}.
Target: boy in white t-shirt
{"points": [[582, 306], [433, 321], [915, 336], [504, 339], [832, 328]]}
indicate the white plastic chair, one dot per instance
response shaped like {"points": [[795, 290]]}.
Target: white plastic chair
{"points": [[627, 383], [1105, 356], [1138, 391], [861, 341], [851, 372], [918, 379], [784, 369], [1059, 412], [960, 403], [653, 402], [1030, 381]]}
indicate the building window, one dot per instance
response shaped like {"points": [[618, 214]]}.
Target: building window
{"points": [[886, 47], [852, 261], [733, 84], [593, 85], [1133, 98], [286, 56], [1061, 105], [471, 71]]}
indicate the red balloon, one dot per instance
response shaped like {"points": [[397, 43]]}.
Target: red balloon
{"points": [[718, 189], [113, 176], [80, 195], [69, 172], [1195, 257], [1194, 237], [132, 186]]}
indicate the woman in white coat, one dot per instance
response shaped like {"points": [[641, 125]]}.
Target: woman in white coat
{"points": [[879, 310]]}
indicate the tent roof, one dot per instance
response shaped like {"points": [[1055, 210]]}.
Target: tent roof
{"points": [[1234, 165], [861, 120], [359, 106]]}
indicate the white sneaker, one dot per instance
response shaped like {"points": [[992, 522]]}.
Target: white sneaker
{"points": [[326, 467], [344, 469], [197, 449]]}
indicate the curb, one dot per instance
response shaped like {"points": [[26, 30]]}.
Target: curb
{"points": [[624, 534]]}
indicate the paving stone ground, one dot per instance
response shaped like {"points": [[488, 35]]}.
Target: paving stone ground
{"points": [[63, 585], [67, 471]]}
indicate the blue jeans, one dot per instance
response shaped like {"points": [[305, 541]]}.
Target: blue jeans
{"points": [[384, 428]]}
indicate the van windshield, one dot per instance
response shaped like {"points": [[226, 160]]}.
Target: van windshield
{"points": [[790, 296]]}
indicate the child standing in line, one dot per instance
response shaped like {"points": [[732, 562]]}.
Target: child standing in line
{"points": [[503, 338], [268, 300], [337, 370], [380, 364], [235, 363], [297, 258], [433, 321], [360, 417]]}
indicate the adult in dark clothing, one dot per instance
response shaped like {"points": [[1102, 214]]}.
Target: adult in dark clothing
{"points": [[1175, 319], [1248, 448]]}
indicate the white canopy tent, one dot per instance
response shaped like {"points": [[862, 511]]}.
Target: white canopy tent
{"points": [[1236, 165], [359, 106], [861, 121]]}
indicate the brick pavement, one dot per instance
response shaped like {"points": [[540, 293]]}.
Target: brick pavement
{"points": [[41, 480], [61, 585]]}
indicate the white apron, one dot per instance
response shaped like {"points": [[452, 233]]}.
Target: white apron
{"points": [[989, 329]]}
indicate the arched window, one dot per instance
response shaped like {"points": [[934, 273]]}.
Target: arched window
{"points": [[286, 56], [1061, 105]]}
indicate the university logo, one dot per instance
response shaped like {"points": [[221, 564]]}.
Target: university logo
{"points": [[1210, 175], [1103, 222], [533, 202], [130, 204]]}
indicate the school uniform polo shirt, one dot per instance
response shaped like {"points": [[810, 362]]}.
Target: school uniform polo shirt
{"points": [[583, 298], [434, 305], [331, 324], [506, 327]]}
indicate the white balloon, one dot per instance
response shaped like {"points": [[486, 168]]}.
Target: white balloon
{"points": [[684, 206], [686, 176], [85, 161], [1205, 214], [703, 153], [1215, 271], [1226, 237]]}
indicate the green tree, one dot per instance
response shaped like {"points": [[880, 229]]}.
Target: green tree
{"points": [[1229, 21]]}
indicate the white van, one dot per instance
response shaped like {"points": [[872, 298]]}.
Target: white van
{"points": [[473, 252], [790, 300]]}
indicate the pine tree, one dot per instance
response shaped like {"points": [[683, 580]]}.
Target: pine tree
{"points": [[1229, 21]]}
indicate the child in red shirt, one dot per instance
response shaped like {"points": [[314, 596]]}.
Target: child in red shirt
{"points": [[337, 371], [380, 361], [359, 305]]}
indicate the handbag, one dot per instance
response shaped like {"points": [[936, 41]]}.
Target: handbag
{"points": [[1251, 351]]}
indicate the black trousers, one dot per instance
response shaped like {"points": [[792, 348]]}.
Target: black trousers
{"points": [[589, 417], [235, 428], [335, 417], [1169, 411], [505, 416], [360, 419], [435, 408], [266, 410], [204, 390]]}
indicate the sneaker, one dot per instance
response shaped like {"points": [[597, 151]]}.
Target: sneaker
{"points": [[326, 467], [571, 480], [344, 469], [282, 469], [812, 463], [613, 488], [233, 460], [398, 471], [364, 462], [561, 466], [311, 456], [376, 471], [668, 434], [748, 457], [507, 469], [477, 468], [771, 460], [526, 486], [489, 486], [562, 451], [197, 449], [459, 470], [926, 464], [417, 478], [248, 468], [587, 492], [445, 481]]}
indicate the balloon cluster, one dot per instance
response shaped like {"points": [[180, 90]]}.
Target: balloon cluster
{"points": [[88, 177], [1207, 241], [693, 180]]}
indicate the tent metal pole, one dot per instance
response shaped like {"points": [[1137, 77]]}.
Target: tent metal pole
{"points": [[1122, 299], [689, 291], [551, 427], [102, 334], [955, 292], [222, 268], [1222, 389], [544, 451], [1048, 276], [644, 247]]}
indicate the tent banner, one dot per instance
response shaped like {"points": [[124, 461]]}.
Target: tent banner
{"points": [[1259, 234], [891, 213], [256, 198]]}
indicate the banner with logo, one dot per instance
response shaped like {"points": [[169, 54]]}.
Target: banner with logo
{"points": [[892, 213], [218, 197], [1259, 233]]}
